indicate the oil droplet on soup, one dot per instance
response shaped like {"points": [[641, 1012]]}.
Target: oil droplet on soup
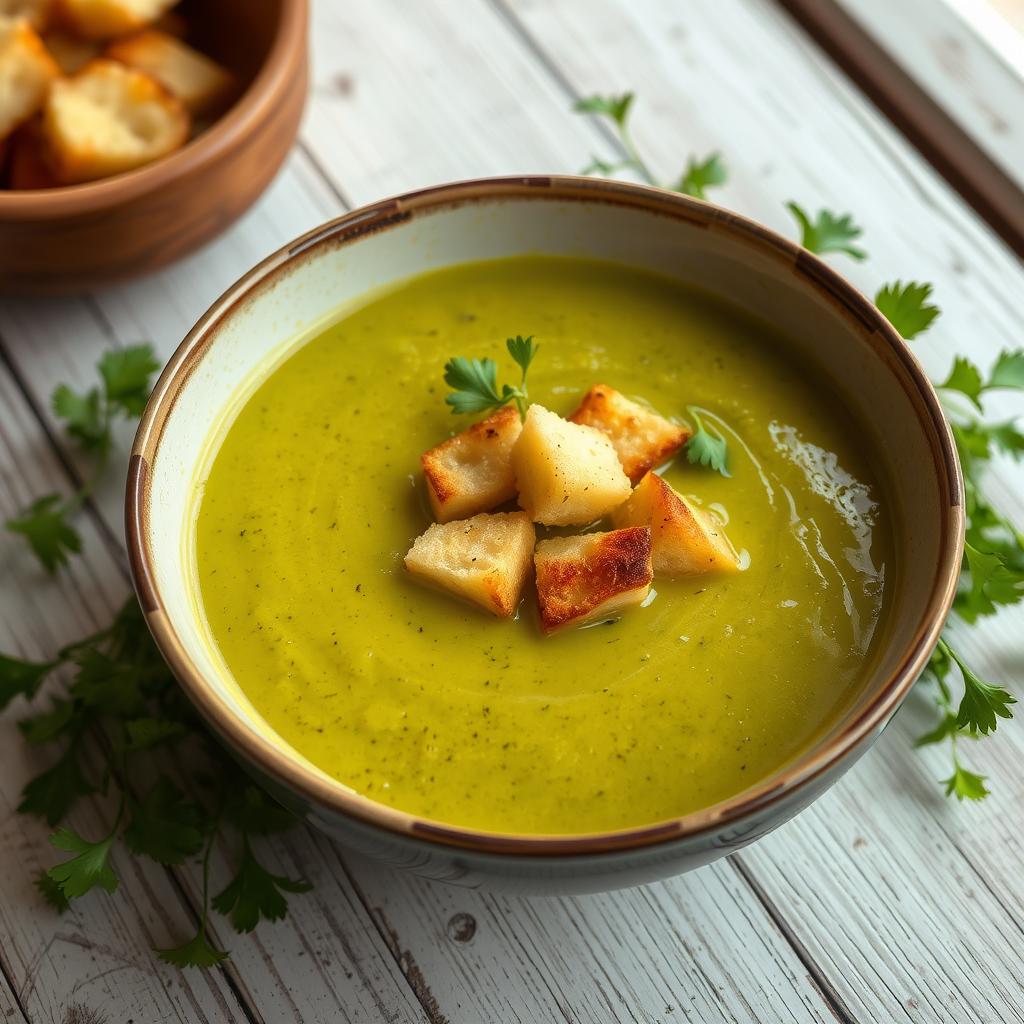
{"points": [[433, 707]]}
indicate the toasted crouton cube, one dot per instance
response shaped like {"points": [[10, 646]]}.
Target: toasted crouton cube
{"points": [[35, 12], [105, 19], [566, 473], [642, 438], [485, 559], [685, 540], [200, 83], [108, 119], [26, 73], [27, 166], [70, 52], [472, 472], [592, 576]]}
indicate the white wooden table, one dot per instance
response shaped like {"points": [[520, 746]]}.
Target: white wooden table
{"points": [[882, 902]]}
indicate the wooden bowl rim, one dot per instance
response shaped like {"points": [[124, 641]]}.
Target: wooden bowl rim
{"points": [[245, 115], [273, 760]]}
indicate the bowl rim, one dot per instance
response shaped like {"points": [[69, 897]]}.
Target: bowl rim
{"points": [[275, 761], [226, 133]]}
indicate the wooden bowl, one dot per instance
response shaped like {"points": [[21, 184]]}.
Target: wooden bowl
{"points": [[832, 326], [68, 240]]}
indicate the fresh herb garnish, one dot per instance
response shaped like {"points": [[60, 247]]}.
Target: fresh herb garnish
{"points": [[476, 380], [827, 232], [124, 386], [706, 447], [993, 571], [121, 703]]}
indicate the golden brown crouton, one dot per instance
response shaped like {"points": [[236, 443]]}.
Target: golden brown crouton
{"points": [[105, 19], [566, 473], [641, 437], [472, 472], [36, 12], [70, 52], [26, 72], [27, 166], [108, 119], [485, 559], [200, 83], [592, 576], [685, 541]]}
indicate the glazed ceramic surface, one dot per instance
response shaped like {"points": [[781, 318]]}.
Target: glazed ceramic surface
{"points": [[306, 285], [69, 240]]}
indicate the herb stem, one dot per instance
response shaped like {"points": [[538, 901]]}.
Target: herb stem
{"points": [[635, 159]]}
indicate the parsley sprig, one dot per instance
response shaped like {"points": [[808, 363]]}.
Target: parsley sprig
{"points": [[993, 571], [115, 695], [476, 380], [47, 523]]}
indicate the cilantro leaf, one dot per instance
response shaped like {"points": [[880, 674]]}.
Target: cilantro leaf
{"points": [[699, 176], [1008, 371], [965, 784], [21, 678], [88, 868], [45, 526], [51, 892], [197, 952], [705, 448], [907, 308], [254, 893], [614, 107], [965, 378], [992, 583], [126, 374], [49, 725], [827, 232], [53, 793], [165, 826], [83, 417]]}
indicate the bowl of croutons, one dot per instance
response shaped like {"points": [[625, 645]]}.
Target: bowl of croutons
{"points": [[133, 131]]}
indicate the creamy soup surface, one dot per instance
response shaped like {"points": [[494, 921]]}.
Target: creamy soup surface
{"points": [[431, 706]]}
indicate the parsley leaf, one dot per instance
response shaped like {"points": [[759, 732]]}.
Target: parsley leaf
{"points": [[992, 583], [701, 175], [965, 784], [255, 893], [476, 380], [18, 677], [907, 308], [51, 794], [88, 868], [982, 703], [254, 811], [83, 417], [197, 952], [47, 726], [146, 733], [827, 232], [616, 108], [165, 826], [1008, 371], [45, 526], [965, 378], [51, 892], [126, 374], [705, 448]]}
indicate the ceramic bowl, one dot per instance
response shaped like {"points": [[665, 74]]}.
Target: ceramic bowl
{"points": [[70, 240], [300, 286]]}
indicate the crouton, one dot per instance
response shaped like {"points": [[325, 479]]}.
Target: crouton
{"points": [[685, 540], [200, 83], [36, 12], [642, 438], [485, 559], [472, 472], [70, 52], [26, 73], [566, 473], [592, 576], [27, 166], [108, 119], [105, 19]]}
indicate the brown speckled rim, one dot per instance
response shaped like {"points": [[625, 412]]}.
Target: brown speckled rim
{"points": [[274, 759]]}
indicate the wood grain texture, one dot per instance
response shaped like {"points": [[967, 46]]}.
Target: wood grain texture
{"points": [[881, 902]]}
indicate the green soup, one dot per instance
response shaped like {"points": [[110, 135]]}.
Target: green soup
{"points": [[431, 706]]}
